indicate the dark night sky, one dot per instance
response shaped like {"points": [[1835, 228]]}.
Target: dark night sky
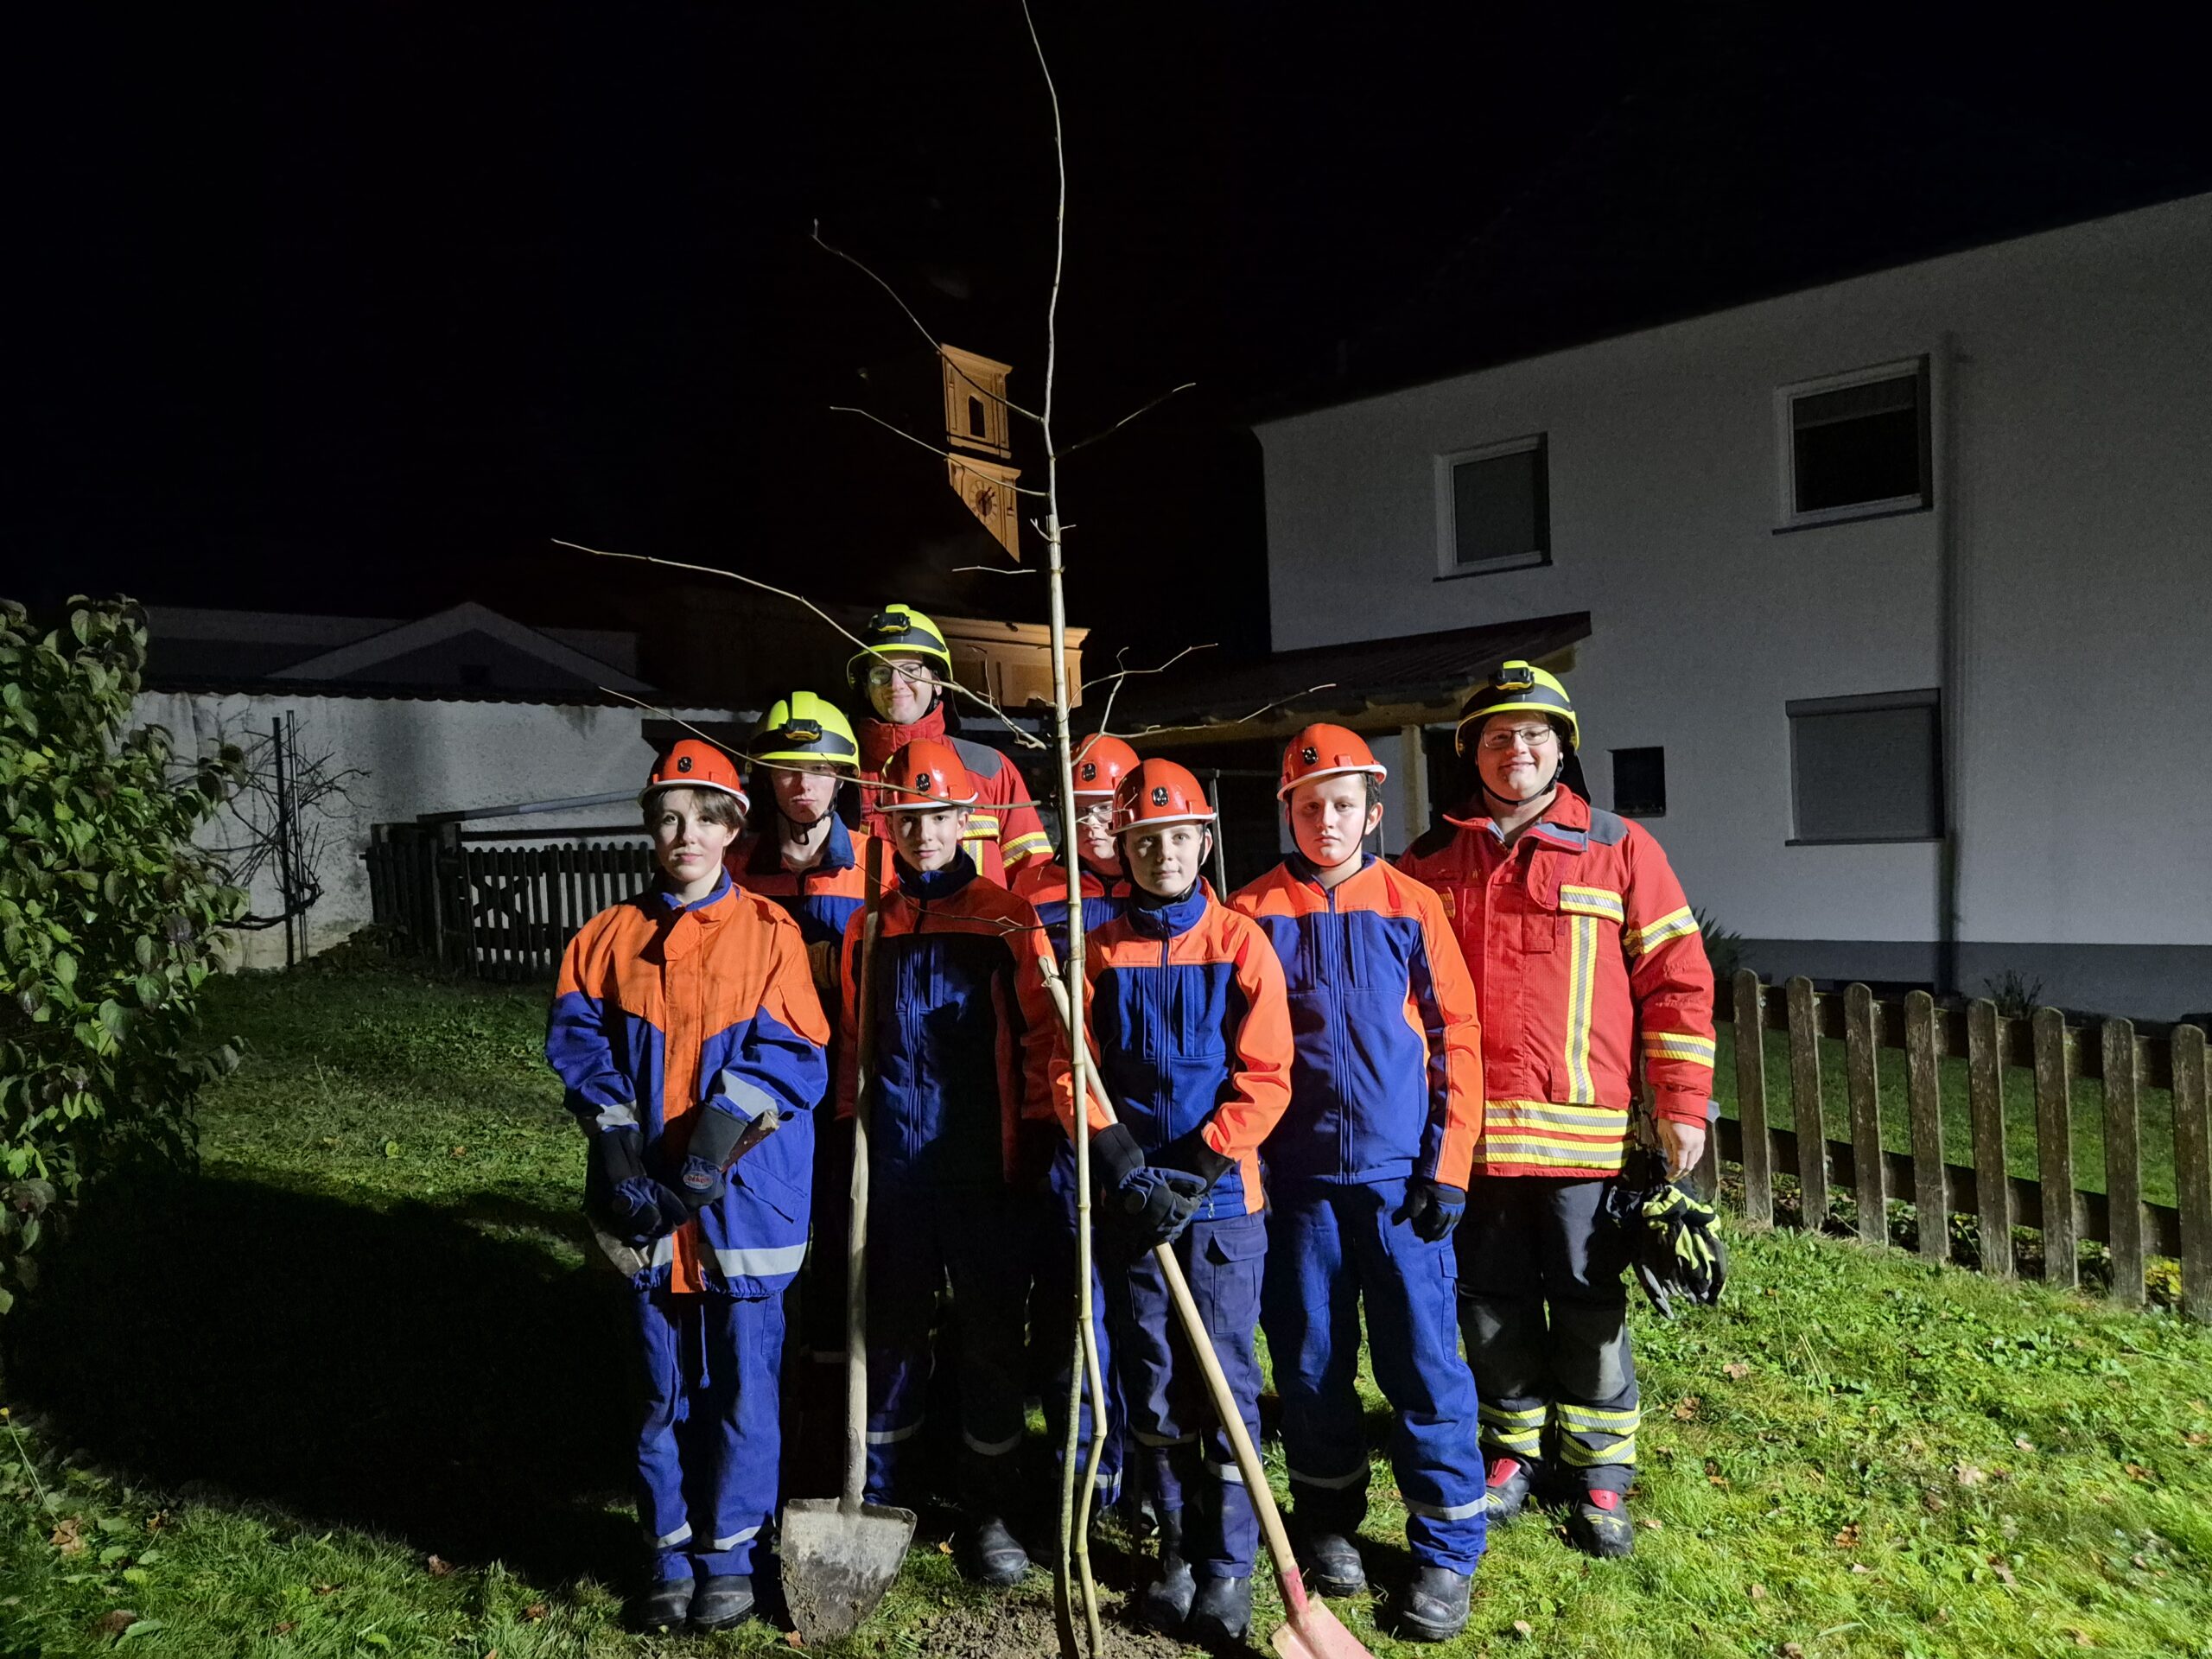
{"points": [[352, 306]]}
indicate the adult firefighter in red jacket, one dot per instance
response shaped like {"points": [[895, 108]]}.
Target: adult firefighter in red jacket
{"points": [[1367, 1176], [1590, 971], [903, 675], [965, 1042]]}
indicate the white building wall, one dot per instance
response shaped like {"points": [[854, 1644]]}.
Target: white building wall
{"points": [[2073, 424], [419, 756]]}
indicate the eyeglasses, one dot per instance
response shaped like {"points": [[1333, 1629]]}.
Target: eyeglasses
{"points": [[883, 673], [1097, 815], [1533, 737]]}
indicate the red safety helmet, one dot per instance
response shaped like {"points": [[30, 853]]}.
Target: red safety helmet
{"points": [[1159, 791], [924, 776], [1101, 762], [1326, 751], [694, 764]]}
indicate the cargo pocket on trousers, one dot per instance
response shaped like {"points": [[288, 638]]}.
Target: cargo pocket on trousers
{"points": [[1235, 1253]]}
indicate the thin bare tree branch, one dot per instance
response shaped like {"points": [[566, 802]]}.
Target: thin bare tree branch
{"points": [[1146, 409], [924, 444], [1026, 738], [1292, 696]]}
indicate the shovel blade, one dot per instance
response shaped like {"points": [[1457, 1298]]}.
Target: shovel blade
{"points": [[1317, 1633], [838, 1562]]}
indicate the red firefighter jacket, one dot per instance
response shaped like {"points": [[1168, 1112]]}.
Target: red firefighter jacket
{"points": [[1003, 831], [1586, 961]]}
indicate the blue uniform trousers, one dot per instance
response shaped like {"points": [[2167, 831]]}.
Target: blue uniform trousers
{"points": [[709, 1446], [1051, 1324], [1190, 1464], [1333, 1247], [1546, 1314], [921, 1236]]}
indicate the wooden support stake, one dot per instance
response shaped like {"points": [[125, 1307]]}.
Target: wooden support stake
{"points": [[1805, 1104], [2054, 1152], [2193, 1172], [2123, 1164], [1861, 1037], [1986, 1093], [1750, 1099], [1924, 1101]]}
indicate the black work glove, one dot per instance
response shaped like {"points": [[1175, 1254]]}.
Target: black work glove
{"points": [[1157, 1204], [1432, 1209], [641, 1210], [1114, 1156], [617, 1156], [1190, 1153], [714, 1135]]}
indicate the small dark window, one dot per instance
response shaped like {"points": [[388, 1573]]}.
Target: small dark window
{"points": [[975, 427], [476, 674], [1501, 508], [1867, 768], [1859, 446], [1640, 783]]}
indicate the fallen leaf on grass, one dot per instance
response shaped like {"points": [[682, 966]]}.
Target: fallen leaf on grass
{"points": [[2004, 1572], [1791, 1650], [157, 1520], [115, 1622], [793, 1639], [286, 1628], [2196, 1439], [462, 1152], [1648, 1523], [437, 1566], [2081, 1638], [1757, 1593], [1685, 1408], [532, 1613], [2137, 1471], [69, 1536], [1710, 1480], [1966, 1475], [944, 1545], [1524, 1629], [1848, 1538], [1736, 1371], [2024, 1443], [1859, 1566]]}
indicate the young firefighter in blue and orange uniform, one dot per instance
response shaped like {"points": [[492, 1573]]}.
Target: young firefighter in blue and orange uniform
{"points": [[902, 675], [804, 758], [1193, 1044], [1101, 761], [1587, 959], [685, 1028], [963, 1049], [1367, 1176]]}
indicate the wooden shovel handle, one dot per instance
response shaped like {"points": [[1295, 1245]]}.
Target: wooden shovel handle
{"points": [[857, 1228], [1200, 1341]]}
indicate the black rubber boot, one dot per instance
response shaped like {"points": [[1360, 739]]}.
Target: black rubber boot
{"points": [[1509, 1482], [1220, 1613], [666, 1606], [995, 1555], [1336, 1569], [1166, 1605], [1434, 1607], [721, 1601], [1602, 1527]]}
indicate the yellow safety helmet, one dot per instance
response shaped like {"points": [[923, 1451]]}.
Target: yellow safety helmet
{"points": [[898, 631], [802, 728], [1517, 688]]}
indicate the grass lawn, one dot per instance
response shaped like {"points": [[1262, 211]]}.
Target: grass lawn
{"points": [[353, 1391]]}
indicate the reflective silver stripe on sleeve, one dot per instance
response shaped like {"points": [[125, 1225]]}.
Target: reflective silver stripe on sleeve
{"points": [[893, 1436], [737, 1538], [664, 1249], [748, 1100], [1228, 1472], [992, 1448], [681, 1535], [760, 1264], [621, 1115]]}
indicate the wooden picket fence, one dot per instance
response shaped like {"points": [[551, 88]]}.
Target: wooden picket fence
{"points": [[1938, 1187], [499, 912]]}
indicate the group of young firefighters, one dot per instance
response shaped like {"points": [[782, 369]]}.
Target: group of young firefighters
{"points": [[1353, 1088]]}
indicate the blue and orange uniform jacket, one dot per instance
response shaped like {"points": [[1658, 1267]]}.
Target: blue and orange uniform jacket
{"points": [[821, 899], [1045, 884], [966, 1037], [664, 1011], [1388, 1079], [1188, 1022]]}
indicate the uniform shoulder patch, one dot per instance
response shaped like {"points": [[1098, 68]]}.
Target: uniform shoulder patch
{"points": [[1607, 829], [979, 757]]}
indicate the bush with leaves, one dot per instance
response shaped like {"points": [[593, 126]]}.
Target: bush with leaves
{"points": [[111, 920]]}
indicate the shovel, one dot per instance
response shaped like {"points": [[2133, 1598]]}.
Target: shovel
{"points": [[839, 1554], [1312, 1632]]}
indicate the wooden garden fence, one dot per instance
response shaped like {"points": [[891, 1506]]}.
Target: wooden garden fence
{"points": [[1927, 1176], [500, 912]]}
